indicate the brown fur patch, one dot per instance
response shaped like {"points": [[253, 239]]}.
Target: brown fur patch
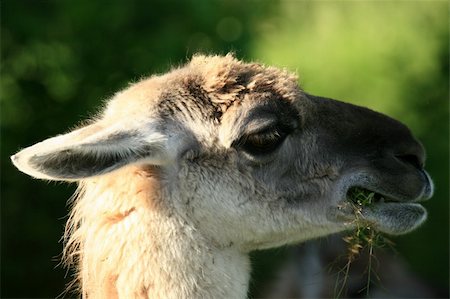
{"points": [[148, 186], [111, 291], [114, 218]]}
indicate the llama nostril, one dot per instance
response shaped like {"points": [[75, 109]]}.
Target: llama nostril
{"points": [[411, 159]]}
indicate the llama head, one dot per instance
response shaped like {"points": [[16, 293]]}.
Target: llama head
{"points": [[245, 156]]}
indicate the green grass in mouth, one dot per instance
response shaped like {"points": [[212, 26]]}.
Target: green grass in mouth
{"points": [[361, 197], [363, 237]]}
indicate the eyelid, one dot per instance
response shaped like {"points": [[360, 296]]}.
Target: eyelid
{"points": [[256, 127], [273, 129], [259, 126]]}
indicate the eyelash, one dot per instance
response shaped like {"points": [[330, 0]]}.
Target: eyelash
{"points": [[264, 142]]}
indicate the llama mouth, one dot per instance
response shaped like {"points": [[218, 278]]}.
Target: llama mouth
{"points": [[387, 214]]}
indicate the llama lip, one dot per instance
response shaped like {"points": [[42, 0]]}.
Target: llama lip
{"points": [[393, 217]]}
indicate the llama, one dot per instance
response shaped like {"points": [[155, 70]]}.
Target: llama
{"points": [[183, 174]]}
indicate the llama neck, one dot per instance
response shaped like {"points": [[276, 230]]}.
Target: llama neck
{"points": [[135, 248], [195, 270]]}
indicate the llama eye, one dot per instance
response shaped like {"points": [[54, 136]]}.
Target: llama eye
{"points": [[264, 142]]}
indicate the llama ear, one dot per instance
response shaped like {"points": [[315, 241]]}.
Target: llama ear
{"points": [[93, 150]]}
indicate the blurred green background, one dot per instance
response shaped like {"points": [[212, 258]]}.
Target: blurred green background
{"points": [[61, 59]]}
